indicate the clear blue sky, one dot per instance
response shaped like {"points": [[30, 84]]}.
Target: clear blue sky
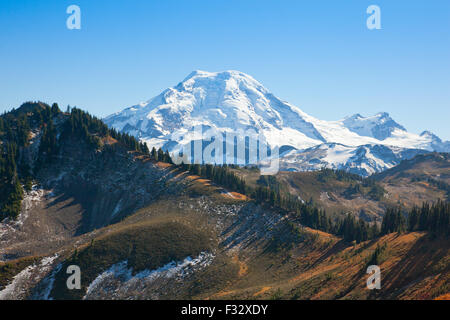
{"points": [[318, 55]]}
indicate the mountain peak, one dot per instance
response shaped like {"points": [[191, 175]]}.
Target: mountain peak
{"points": [[229, 101], [436, 143], [379, 126], [382, 115], [220, 74], [197, 73], [427, 133], [220, 79]]}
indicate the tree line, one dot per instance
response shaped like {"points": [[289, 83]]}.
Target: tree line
{"points": [[270, 193], [433, 218], [160, 155], [54, 129]]}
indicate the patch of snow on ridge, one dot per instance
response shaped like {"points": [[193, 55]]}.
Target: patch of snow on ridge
{"points": [[119, 281], [15, 287], [24, 280], [46, 286], [30, 199], [35, 195], [338, 154]]}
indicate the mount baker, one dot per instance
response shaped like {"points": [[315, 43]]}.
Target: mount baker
{"points": [[231, 100]]}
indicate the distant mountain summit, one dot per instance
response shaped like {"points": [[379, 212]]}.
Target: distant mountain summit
{"points": [[380, 126], [231, 100], [226, 101]]}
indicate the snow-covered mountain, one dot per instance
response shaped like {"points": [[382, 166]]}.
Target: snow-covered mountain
{"points": [[231, 100], [363, 160], [379, 126]]}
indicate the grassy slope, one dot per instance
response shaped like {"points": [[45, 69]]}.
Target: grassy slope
{"points": [[417, 180], [8, 270], [412, 267], [144, 246], [152, 237], [433, 165]]}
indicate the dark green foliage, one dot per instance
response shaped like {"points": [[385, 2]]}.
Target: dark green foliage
{"points": [[28, 186], [55, 130], [92, 130], [167, 157], [220, 175], [393, 221], [55, 109], [84, 126], [433, 218], [358, 184], [270, 182], [160, 155], [311, 216], [377, 256], [144, 148], [288, 236], [365, 186], [11, 195], [15, 130], [141, 247], [376, 192], [326, 174], [353, 190], [48, 145], [196, 169], [355, 230], [11, 192], [154, 154], [8, 270]]}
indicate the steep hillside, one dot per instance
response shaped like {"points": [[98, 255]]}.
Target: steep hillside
{"points": [[423, 178], [71, 175], [429, 166], [412, 267]]}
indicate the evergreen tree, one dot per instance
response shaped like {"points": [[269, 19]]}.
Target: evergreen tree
{"points": [[393, 221], [160, 155], [55, 109], [167, 157], [433, 218], [154, 154]]}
